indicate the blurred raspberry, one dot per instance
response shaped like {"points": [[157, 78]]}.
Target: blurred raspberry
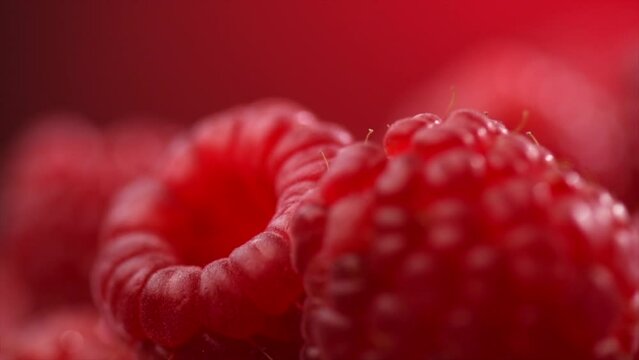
{"points": [[57, 184], [71, 334], [582, 122]]}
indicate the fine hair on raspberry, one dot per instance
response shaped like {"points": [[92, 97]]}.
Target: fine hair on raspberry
{"points": [[460, 240]]}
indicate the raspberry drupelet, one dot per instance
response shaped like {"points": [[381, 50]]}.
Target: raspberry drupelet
{"points": [[459, 240], [197, 257]]}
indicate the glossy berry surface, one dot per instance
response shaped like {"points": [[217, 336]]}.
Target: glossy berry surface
{"points": [[201, 249], [459, 240]]}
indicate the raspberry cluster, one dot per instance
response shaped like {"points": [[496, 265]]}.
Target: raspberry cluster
{"points": [[263, 233], [460, 240]]}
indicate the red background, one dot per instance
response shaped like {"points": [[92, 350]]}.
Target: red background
{"points": [[350, 61]]}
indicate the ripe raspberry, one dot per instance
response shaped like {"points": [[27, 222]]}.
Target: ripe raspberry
{"points": [[60, 176], [71, 334], [51, 214], [566, 110], [203, 247], [463, 242]]}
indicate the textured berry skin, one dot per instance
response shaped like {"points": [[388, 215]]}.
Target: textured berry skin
{"points": [[462, 241], [203, 247], [568, 111], [60, 176]]}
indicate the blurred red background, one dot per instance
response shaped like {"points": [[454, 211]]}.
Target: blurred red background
{"points": [[350, 61]]}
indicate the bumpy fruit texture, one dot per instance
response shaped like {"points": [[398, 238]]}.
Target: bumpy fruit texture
{"points": [[565, 109], [72, 334], [200, 253], [459, 240], [59, 179]]}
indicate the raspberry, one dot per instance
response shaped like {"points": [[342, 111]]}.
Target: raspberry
{"points": [[463, 241], [51, 214], [566, 109], [69, 334], [61, 174], [201, 249]]}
